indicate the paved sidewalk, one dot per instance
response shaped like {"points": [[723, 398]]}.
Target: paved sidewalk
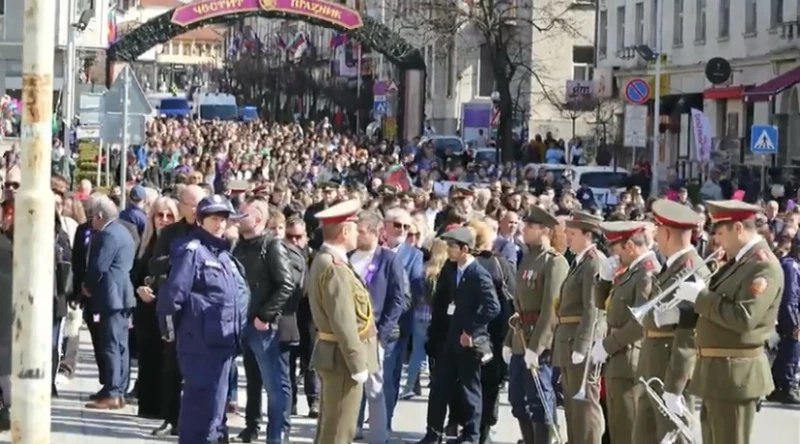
{"points": [[73, 424]]}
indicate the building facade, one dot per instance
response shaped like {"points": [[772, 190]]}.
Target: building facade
{"points": [[752, 35], [459, 70], [88, 42]]}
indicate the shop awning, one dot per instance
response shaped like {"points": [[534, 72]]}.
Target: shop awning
{"points": [[724, 92], [769, 89]]}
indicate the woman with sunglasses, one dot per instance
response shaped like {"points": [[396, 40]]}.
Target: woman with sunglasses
{"points": [[158, 390]]}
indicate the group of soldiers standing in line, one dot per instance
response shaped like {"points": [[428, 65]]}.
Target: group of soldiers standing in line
{"points": [[659, 334]]}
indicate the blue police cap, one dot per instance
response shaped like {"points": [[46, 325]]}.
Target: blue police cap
{"points": [[216, 204]]}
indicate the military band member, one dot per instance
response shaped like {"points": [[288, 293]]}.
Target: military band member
{"points": [[346, 351], [527, 347], [668, 349], [619, 291], [738, 311], [577, 316]]}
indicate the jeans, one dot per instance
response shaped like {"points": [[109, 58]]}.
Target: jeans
{"points": [[375, 398], [273, 363], [418, 358], [233, 384]]}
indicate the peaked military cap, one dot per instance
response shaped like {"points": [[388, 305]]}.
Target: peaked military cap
{"points": [[462, 192], [583, 220], [339, 213], [328, 186], [731, 210], [675, 215], [388, 189], [461, 235], [537, 215], [622, 230]]}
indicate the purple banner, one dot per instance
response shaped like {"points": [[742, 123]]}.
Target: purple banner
{"points": [[330, 12], [379, 88], [476, 116]]}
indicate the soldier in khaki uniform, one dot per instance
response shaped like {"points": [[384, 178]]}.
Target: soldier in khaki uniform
{"points": [[346, 351], [738, 311], [527, 346], [577, 327], [616, 291], [668, 350]]}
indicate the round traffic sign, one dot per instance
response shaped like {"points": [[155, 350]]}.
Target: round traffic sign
{"points": [[637, 91]]}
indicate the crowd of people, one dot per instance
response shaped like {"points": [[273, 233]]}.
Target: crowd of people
{"points": [[333, 263]]}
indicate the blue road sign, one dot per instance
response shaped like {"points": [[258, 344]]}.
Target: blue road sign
{"points": [[637, 91], [764, 139], [379, 108]]}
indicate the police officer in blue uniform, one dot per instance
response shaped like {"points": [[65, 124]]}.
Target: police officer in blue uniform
{"points": [[202, 306], [784, 368]]}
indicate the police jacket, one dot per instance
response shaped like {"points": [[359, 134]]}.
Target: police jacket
{"points": [[267, 270], [789, 311], [159, 261], [200, 302]]}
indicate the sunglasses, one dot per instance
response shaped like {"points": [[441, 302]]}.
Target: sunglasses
{"points": [[165, 215], [413, 234], [401, 226], [294, 237], [12, 185]]}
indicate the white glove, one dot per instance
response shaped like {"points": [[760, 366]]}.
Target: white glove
{"points": [[360, 377], [608, 268], [599, 353], [666, 317], [675, 404], [688, 291], [531, 358], [507, 354], [773, 340], [577, 358]]}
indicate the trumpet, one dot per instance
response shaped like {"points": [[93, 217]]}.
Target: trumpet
{"points": [[595, 374], [514, 322], [657, 302], [681, 428]]}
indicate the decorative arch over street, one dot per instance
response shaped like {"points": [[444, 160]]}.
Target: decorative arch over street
{"points": [[316, 12]]}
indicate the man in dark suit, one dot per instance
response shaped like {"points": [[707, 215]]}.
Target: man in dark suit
{"points": [[108, 286], [382, 272], [467, 344], [395, 227]]}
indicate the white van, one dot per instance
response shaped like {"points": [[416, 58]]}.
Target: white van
{"points": [[600, 179]]}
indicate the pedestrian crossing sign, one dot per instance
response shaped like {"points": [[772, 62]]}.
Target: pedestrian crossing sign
{"points": [[764, 139]]}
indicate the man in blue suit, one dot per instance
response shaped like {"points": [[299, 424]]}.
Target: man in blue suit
{"points": [[382, 272], [467, 344], [396, 226], [108, 286]]}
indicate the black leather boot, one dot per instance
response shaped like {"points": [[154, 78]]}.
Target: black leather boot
{"points": [[431, 438], [527, 431]]}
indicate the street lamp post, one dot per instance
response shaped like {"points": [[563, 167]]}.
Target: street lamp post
{"points": [[496, 103], [657, 101]]}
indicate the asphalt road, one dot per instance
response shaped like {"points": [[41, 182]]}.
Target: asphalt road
{"points": [[72, 424]]}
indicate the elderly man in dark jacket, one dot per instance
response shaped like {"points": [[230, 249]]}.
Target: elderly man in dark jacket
{"points": [[6, 317]]}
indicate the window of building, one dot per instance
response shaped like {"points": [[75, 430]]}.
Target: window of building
{"points": [[654, 25], [700, 21], [724, 19], [639, 36], [486, 79], [620, 28], [776, 13], [2, 7], [582, 63], [602, 37], [677, 23], [750, 17]]}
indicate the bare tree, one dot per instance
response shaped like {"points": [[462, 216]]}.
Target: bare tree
{"points": [[507, 30]]}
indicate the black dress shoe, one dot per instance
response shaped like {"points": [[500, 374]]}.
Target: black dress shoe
{"points": [[249, 434], [313, 410], [431, 438]]}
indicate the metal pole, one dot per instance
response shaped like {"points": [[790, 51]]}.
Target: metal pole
{"points": [[381, 75], [358, 91], [108, 166], [657, 92], [123, 161], [69, 74], [31, 371]]}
